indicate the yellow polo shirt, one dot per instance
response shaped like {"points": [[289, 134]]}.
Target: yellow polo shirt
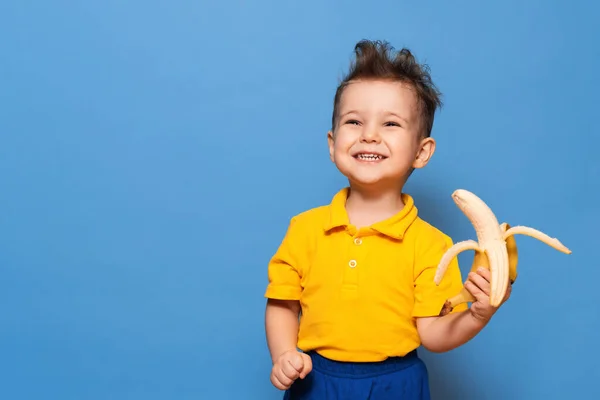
{"points": [[361, 289]]}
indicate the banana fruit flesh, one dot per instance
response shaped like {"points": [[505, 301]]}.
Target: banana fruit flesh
{"points": [[495, 249], [481, 260]]}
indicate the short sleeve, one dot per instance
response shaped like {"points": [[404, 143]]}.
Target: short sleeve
{"points": [[429, 297], [285, 266]]}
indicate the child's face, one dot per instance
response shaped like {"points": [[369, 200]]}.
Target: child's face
{"points": [[377, 139]]}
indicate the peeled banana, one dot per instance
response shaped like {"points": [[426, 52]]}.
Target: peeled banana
{"points": [[495, 249]]}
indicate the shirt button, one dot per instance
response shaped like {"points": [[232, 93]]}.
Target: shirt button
{"points": [[352, 263], [358, 241]]}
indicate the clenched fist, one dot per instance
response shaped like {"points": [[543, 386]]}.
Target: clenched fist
{"points": [[290, 366]]}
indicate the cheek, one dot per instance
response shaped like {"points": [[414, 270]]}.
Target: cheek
{"points": [[402, 145], [342, 144]]}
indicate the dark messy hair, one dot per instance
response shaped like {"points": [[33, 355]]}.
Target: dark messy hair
{"points": [[374, 60]]}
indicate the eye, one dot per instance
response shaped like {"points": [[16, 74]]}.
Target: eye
{"points": [[392, 123], [352, 122]]}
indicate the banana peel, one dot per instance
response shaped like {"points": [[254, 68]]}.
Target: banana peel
{"points": [[481, 260], [495, 249]]}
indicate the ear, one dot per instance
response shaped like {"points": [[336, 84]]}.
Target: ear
{"points": [[425, 152], [330, 143]]}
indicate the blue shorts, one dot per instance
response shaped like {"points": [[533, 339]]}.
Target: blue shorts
{"points": [[402, 378]]}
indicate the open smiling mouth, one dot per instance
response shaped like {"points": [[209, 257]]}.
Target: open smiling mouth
{"points": [[369, 157]]}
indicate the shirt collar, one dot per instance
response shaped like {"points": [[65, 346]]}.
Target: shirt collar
{"points": [[394, 226]]}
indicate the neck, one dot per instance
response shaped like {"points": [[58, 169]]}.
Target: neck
{"points": [[366, 207]]}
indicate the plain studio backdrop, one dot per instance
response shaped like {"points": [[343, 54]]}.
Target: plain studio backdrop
{"points": [[152, 154]]}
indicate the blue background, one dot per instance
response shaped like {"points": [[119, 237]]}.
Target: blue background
{"points": [[152, 153]]}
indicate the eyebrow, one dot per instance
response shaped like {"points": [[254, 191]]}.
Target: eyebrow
{"points": [[397, 116], [386, 113], [349, 112]]}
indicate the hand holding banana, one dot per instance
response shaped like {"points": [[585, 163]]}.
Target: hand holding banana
{"points": [[479, 286], [495, 251]]}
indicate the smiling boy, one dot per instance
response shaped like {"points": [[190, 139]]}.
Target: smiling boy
{"points": [[351, 294]]}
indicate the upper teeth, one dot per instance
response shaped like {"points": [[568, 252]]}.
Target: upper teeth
{"points": [[369, 156]]}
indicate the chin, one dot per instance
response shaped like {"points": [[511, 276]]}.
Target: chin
{"points": [[375, 181], [367, 176], [371, 181]]}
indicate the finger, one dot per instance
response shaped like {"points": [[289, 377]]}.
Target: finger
{"points": [[485, 273], [481, 283], [508, 292], [307, 366], [283, 378], [289, 370], [280, 383], [474, 290], [297, 361]]}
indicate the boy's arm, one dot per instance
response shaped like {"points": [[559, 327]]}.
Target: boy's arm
{"points": [[441, 334], [281, 326], [283, 309], [284, 291]]}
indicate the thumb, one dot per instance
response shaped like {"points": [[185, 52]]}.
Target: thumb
{"points": [[307, 365], [297, 361]]}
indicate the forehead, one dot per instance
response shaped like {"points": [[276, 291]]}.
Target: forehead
{"points": [[379, 96]]}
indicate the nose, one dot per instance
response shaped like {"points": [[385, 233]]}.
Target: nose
{"points": [[370, 135]]}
